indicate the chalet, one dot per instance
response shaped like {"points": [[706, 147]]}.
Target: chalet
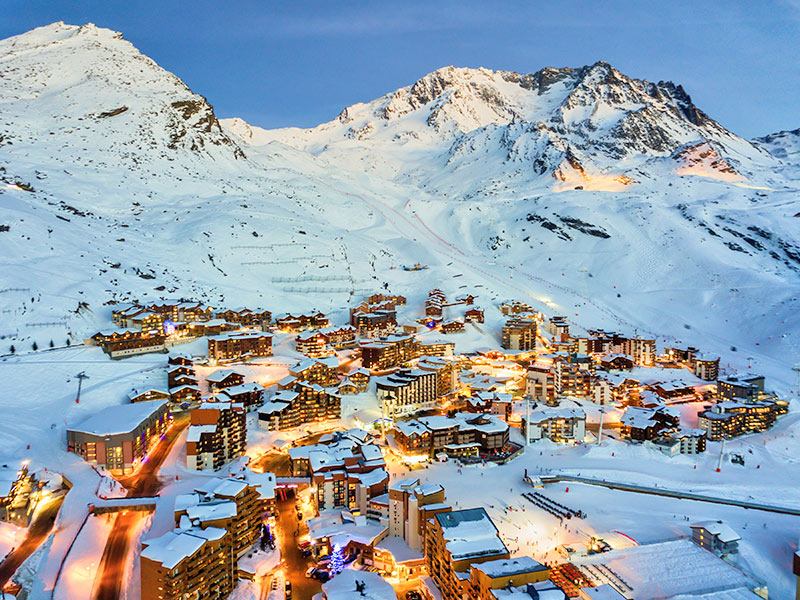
{"points": [[147, 395], [379, 298], [499, 404], [346, 387], [287, 383], [322, 371], [645, 424], [716, 537], [123, 312], [312, 343], [224, 378], [179, 380], [673, 390], [340, 337], [180, 360], [194, 311], [474, 314], [292, 323], [486, 434], [561, 424], [453, 327], [202, 328], [616, 362], [680, 441], [184, 394], [180, 375], [249, 395], [359, 377], [467, 299], [515, 308], [245, 316], [315, 343]]}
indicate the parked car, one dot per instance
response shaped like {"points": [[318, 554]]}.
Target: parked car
{"points": [[321, 575]]}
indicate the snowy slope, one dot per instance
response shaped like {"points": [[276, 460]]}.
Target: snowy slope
{"points": [[619, 190], [120, 183]]}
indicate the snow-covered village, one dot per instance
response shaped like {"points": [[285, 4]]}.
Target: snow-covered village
{"points": [[491, 336]]}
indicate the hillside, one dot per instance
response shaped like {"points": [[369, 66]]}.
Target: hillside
{"points": [[616, 200]]}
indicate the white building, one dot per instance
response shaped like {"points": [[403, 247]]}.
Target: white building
{"points": [[560, 424], [407, 392]]}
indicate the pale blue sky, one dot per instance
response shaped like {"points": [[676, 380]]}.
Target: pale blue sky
{"points": [[299, 63]]}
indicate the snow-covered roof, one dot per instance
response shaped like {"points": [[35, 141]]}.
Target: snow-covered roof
{"points": [[196, 432], [173, 547], [220, 375], [505, 567], [343, 586], [243, 388], [222, 487], [545, 413], [667, 569], [116, 420], [603, 592], [470, 533]]}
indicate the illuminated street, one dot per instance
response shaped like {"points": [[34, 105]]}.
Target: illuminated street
{"points": [[295, 564], [144, 482]]}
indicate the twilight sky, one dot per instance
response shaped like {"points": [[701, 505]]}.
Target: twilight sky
{"points": [[299, 63]]}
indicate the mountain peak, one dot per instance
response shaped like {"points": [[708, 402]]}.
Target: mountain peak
{"points": [[99, 86]]}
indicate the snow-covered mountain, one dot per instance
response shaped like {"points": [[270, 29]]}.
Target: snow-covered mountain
{"points": [[591, 127], [614, 199]]}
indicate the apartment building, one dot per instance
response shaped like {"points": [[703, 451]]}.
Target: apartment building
{"points": [[217, 434], [306, 403], [706, 366], [729, 419], [239, 345], [188, 563], [117, 438], [519, 334], [388, 352], [322, 371], [407, 391], [226, 503], [454, 541], [411, 506], [560, 424]]}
